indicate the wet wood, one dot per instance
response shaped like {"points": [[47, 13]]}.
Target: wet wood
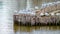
{"points": [[34, 19]]}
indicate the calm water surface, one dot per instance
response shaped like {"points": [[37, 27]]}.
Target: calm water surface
{"points": [[37, 30]]}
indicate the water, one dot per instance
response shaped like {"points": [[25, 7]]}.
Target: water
{"points": [[37, 30]]}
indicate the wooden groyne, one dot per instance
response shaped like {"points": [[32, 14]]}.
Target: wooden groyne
{"points": [[50, 18], [34, 20]]}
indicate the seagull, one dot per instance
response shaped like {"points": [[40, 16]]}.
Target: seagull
{"points": [[42, 14], [52, 14], [46, 14]]}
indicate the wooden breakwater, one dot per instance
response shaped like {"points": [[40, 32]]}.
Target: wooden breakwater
{"points": [[34, 20], [38, 19]]}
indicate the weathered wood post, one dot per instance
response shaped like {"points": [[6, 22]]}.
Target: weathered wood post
{"points": [[6, 16]]}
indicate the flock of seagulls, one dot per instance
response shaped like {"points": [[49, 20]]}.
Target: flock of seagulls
{"points": [[49, 4], [32, 11]]}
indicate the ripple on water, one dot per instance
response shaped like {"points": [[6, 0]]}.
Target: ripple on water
{"points": [[37, 30]]}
